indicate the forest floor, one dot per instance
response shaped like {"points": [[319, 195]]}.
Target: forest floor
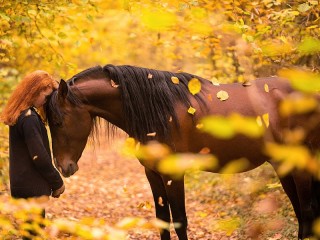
{"points": [[111, 187]]}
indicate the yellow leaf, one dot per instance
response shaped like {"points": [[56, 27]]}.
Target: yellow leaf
{"points": [[194, 86], [158, 20], [175, 80], [191, 110], [290, 156], [259, 121], [297, 105], [222, 95], [152, 151], [266, 87], [235, 166], [176, 165], [265, 118], [228, 127], [302, 80], [228, 225]]}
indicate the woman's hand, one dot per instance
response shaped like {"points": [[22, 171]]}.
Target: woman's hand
{"points": [[58, 192]]}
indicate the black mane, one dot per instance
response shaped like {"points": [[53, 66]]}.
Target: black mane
{"points": [[149, 97]]}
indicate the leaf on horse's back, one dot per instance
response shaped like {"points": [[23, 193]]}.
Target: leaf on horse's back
{"points": [[191, 110], [194, 86], [222, 95], [175, 80]]}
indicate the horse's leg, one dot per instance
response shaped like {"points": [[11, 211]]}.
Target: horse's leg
{"points": [[176, 198], [289, 187], [160, 200], [304, 186]]}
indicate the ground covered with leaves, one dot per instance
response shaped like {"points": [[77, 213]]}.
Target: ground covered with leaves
{"points": [[112, 187]]}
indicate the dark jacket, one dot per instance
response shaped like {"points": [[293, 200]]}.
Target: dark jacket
{"points": [[32, 173]]}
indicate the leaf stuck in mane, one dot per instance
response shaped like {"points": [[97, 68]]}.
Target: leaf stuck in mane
{"points": [[222, 95], [191, 110], [175, 80], [28, 113], [113, 84], [194, 86], [150, 76], [153, 134]]}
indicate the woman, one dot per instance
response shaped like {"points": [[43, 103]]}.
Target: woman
{"points": [[31, 171]]}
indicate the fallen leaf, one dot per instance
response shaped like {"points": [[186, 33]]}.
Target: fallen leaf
{"points": [[266, 87], [222, 95]]}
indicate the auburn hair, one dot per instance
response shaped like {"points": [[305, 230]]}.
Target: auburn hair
{"points": [[25, 94]]}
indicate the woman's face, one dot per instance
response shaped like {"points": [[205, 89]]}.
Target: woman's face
{"points": [[42, 98]]}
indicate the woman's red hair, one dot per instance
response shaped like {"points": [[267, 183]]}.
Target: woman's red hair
{"points": [[25, 94]]}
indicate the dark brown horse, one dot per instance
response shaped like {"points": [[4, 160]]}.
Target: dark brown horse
{"points": [[142, 101]]}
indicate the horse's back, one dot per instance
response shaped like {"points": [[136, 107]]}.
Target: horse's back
{"points": [[260, 98]]}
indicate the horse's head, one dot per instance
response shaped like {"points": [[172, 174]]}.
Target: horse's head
{"points": [[70, 125]]}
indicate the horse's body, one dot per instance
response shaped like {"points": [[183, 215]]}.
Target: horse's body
{"points": [[134, 100]]}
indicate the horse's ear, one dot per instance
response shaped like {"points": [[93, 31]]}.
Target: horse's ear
{"points": [[62, 90]]}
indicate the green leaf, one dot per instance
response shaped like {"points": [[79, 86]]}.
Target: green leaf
{"points": [[4, 16], [309, 46]]}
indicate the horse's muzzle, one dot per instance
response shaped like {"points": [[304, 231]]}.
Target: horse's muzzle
{"points": [[68, 169]]}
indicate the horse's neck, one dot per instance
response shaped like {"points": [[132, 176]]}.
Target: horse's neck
{"points": [[103, 100]]}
